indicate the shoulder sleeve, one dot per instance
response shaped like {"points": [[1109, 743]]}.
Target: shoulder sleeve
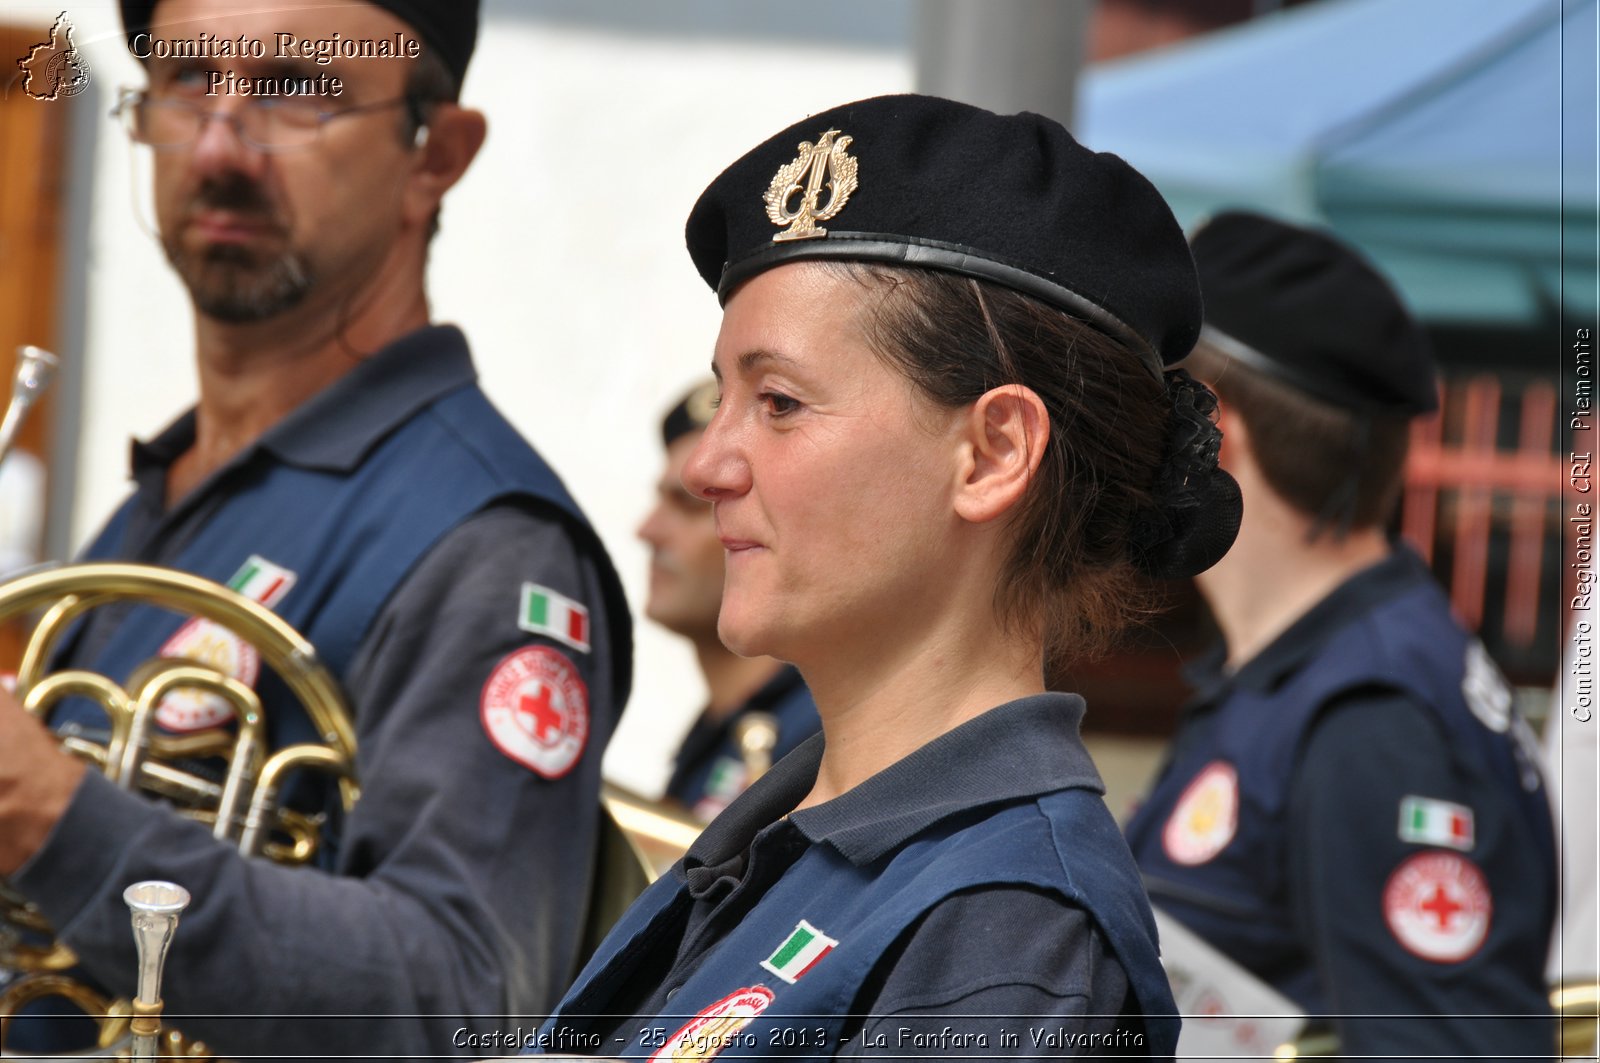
{"points": [[1009, 971], [1413, 887], [465, 868], [486, 702]]}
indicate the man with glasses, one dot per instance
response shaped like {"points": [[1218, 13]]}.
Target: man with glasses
{"points": [[342, 468]]}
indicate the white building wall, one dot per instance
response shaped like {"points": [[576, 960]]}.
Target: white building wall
{"points": [[562, 254]]}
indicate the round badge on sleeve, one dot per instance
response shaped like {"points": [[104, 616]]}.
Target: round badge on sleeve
{"points": [[717, 1027], [1205, 818], [1438, 906], [535, 709]]}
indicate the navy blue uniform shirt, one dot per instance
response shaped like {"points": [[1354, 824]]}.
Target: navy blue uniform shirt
{"points": [[971, 900], [1354, 816], [400, 522]]}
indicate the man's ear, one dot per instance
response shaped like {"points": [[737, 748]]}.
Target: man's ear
{"points": [[1004, 440], [1235, 437], [445, 148]]}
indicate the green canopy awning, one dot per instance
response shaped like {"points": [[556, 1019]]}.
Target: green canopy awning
{"points": [[1454, 140]]}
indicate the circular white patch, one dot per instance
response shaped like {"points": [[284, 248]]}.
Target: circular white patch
{"points": [[1206, 816], [715, 1028], [216, 647], [1438, 906], [536, 710]]}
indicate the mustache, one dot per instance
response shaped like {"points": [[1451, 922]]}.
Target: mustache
{"points": [[233, 192]]}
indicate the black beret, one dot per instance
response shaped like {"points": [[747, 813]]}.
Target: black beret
{"points": [[1305, 308], [448, 27], [691, 414], [925, 182]]}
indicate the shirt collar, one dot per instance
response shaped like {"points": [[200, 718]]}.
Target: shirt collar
{"points": [[1021, 749], [335, 429], [152, 458], [1356, 596]]}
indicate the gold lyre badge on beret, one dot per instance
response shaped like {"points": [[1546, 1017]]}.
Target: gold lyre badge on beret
{"points": [[803, 177]]}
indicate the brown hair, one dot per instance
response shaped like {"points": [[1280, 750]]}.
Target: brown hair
{"points": [[1308, 449], [954, 338]]}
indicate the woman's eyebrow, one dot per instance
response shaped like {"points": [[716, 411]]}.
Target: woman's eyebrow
{"points": [[750, 361]]}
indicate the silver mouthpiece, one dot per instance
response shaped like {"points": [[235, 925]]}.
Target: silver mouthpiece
{"points": [[36, 367], [155, 907]]}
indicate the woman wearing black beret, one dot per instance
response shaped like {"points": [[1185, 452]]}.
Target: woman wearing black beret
{"points": [[946, 460]]}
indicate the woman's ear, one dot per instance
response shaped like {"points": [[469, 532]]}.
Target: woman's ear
{"points": [[1005, 435]]}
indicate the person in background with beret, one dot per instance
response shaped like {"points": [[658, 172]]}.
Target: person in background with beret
{"points": [[1350, 808], [759, 709], [343, 468], [945, 460]]}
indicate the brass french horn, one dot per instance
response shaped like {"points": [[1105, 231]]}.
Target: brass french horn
{"points": [[242, 807], [638, 839]]}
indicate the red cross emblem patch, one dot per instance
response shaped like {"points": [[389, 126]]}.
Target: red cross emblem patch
{"points": [[216, 647], [535, 709], [1438, 906]]}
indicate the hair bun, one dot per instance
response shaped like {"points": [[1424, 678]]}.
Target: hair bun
{"points": [[1197, 505]]}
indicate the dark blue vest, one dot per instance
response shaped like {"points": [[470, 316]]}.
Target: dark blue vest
{"points": [[1238, 899], [351, 537], [1064, 842]]}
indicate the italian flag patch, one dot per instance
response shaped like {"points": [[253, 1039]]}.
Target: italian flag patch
{"points": [[545, 612], [799, 952], [262, 581], [1425, 821]]}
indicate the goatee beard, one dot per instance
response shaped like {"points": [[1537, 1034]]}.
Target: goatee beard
{"points": [[232, 283]]}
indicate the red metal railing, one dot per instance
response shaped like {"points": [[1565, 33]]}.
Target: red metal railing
{"points": [[1464, 476]]}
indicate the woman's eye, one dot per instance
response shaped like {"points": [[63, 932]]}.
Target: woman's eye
{"points": [[778, 403]]}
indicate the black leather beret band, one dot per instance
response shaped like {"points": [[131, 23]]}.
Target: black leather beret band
{"points": [[1327, 390], [1303, 306], [949, 258], [941, 185]]}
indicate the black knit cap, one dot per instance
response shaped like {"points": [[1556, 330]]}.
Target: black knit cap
{"points": [[1305, 308], [942, 185], [691, 414], [448, 27]]}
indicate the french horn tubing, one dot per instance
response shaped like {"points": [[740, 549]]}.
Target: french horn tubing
{"points": [[640, 838], [242, 807]]}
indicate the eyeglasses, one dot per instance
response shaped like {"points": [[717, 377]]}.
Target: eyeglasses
{"points": [[260, 123]]}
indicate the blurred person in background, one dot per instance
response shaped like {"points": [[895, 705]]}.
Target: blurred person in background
{"points": [[758, 709], [1350, 809]]}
